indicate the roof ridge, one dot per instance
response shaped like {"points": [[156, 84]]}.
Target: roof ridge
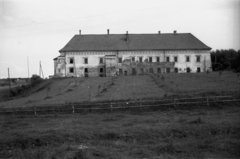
{"points": [[131, 34]]}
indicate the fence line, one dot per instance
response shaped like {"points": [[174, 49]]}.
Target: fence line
{"points": [[122, 102], [109, 106]]}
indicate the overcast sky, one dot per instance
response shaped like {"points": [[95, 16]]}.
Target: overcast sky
{"points": [[39, 29]]}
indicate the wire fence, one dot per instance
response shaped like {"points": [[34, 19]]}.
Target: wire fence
{"points": [[137, 105]]}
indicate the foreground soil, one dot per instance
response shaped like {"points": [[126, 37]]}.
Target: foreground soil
{"points": [[198, 133]]}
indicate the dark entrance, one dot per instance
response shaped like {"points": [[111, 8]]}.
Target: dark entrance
{"points": [[168, 70], [133, 71], [198, 69], [176, 70], [101, 72], [159, 70], [150, 70], [125, 73], [141, 71], [120, 71], [188, 70], [86, 72]]}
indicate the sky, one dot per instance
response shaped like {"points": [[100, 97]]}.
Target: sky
{"points": [[34, 31]]}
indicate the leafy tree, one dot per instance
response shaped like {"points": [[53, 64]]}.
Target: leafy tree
{"points": [[225, 59]]}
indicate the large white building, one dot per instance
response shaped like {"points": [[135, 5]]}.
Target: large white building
{"points": [[131, 54]]}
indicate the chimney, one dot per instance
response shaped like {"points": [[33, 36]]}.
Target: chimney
{"points": [[159, 32], [127, 36], [79, 32], [108, 31], [175, 31]]}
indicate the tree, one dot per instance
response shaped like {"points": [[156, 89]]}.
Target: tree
{"points": [[35, 79], [225, 59]]}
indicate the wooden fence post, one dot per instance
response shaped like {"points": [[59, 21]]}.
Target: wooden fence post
{"points": [[35, 110], [73, 109], [207, 102]]}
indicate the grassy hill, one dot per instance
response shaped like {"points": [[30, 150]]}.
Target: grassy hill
{"points": [[200, 132], [70, 90]]}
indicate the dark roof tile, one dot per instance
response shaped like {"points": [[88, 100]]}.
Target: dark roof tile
{"points": [[113, 42]]}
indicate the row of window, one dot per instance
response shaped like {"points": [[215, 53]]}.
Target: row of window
{"points": [[150, 59], [140, 59], [85, 60], [151, 70]]}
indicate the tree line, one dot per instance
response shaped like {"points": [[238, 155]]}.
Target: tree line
{"points": [[225, 60]]}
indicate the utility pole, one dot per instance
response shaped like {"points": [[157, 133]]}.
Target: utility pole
{"points": [[9, 80], [28, 67], [40, 70]]}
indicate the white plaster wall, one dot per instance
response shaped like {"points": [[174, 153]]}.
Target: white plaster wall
{"points": [[59, 65], [204, 64], [93, 59]]}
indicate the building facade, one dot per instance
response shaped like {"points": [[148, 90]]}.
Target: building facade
{"points": [[132, 54]]}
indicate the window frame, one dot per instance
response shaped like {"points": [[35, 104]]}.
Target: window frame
{"points": [[187, 58], [150, 59], [133, 58], [85, 60], [101, 60], [71, 68], [175, 59], [71, 60], [167, 58], [119, 59], [198, 56]]}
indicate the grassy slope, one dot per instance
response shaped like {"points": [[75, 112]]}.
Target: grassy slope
{"points": [[212, 133], [130, 87]]}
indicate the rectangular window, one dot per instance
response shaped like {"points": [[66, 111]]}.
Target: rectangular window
{"points": [[133, 59], [85, 60], [120, 71], [188, 70], [158, 59], [71, 70], [71, 60], [168, 59], [198, 58], [101, 60], [176, 70], [187, 58], [159, 70], [150, 70], [150, 59], [119, 60], [168, 70], [140, 59], [175, 59]]}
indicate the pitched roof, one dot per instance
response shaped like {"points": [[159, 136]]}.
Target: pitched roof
{"points": [[113, 42]]}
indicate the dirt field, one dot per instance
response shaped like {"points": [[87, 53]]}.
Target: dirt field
{"points": [[68, 90], [200, 133]]}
